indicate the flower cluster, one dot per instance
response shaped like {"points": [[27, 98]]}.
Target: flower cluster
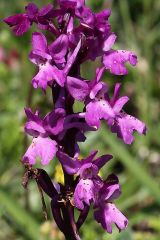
{"points": [[77, 35]]}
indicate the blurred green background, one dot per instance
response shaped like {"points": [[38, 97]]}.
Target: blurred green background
{"points": [[137, 24]]}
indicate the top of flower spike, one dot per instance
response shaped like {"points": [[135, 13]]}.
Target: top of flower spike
{"points": [[71, 3], [22, 22], [98, 39]]}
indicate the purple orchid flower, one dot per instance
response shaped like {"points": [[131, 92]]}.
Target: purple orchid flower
{"points": [[78, 88], [95, 42], [111, 110], [106, 212], [95, 95], [99, 101], [81, 89], [68, 10], [102, 44], [97, 22], [115, 61], [87, 169], [56, 125], [22, 22], [44, 56], [124, 124], [73, 5], [91, 92], [86, 16], [85, 192], [51, 124], [42, 146], [96, 31], [101, 22]]}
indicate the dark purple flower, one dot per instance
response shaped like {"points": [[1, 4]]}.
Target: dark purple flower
{"points": [[51, 124], [100, 103], [56, 125], [71, 4], [34, 125], [115, 60], [124, 124], [22, 22], [96, 31], [58, 50], [100, 107], [81, 89], [108, 215], [78, 88], [95, 42], [43, 148], [86, 16], [51, 60], [100, 44], [102, 20], [31, 11], [42, 17], [111, 110], [96, 22], [87, 169], [96, 100], [106, 212], [41, 56], [85, 192]]}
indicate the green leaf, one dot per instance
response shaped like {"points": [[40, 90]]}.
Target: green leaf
{"points": [[23, 219]]}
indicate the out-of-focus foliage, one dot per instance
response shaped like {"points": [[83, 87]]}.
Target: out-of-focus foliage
{"points": [[137, 24]]}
